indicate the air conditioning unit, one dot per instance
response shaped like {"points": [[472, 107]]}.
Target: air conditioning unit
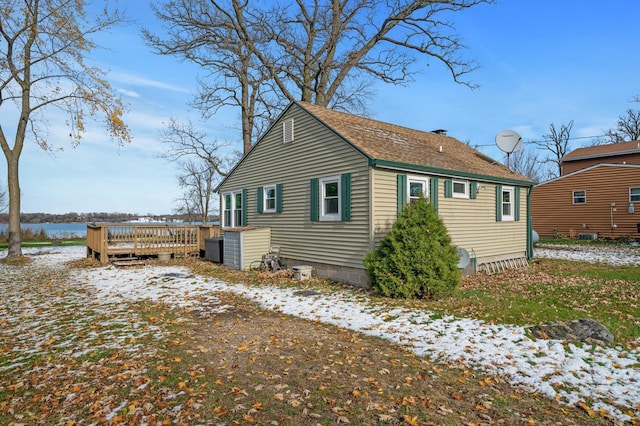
{"points": [[591, 237]]}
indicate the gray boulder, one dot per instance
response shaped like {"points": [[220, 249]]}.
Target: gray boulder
{"points": [[582, 330]]}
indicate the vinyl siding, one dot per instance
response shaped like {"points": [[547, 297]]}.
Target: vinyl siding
{"points": [[553, 211], [569, 167], [255, 243], [471, 223], [315, 152]]}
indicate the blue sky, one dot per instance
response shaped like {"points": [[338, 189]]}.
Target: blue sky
{"points": [[542, 62]]}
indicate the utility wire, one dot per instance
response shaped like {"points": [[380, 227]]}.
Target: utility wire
{"points": [[551, 140]]}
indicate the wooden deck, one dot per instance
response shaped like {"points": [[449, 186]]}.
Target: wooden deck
{"points": [[110, 241]]}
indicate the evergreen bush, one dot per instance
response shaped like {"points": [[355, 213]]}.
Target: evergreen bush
{"points": [[416, 258]]}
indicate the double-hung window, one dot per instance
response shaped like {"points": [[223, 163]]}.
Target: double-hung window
{"points": [[330, 198], [269, 199], [634, 195], [580, 197], [507, 204], [233, 209]]}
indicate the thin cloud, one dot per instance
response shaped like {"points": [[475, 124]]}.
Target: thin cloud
{"points": [[129, 93], [137, 80]]}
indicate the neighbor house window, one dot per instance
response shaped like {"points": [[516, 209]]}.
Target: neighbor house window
{"points": [[580, 197], [507, 204], [416, 186], [233, 208], [634, 195], [460, 189]]}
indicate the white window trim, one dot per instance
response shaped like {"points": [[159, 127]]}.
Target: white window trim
{"points": [[455, 194], [265, 188], [233, 194], [512, 192], [330, 216], [418, 179], [573, 199], [635, 195]]}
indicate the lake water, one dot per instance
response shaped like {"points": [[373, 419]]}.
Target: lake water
{"points": [[53, 230]]}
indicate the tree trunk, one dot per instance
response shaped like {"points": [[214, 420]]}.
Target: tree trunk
{"points": [[15, 239]]}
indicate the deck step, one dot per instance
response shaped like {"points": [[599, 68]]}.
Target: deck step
{"points": [[122, 263]]}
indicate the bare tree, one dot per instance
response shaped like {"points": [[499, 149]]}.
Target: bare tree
{"points": [[200, 164], [4, 201], [216, 36], [42, 48], [326, 52], [628, 128], [197, 179], [527, 163], [556, 144]]}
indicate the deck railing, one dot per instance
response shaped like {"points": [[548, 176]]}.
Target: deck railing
{"points": [[109, 240]]}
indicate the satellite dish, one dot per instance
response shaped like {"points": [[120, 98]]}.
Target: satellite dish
{"points": [[464, 258], [509, 141]]}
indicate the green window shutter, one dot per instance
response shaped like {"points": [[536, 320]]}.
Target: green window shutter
{"points": [[345, 195], [244, 207], [448, 188], [433, 192], [498, 203], [278, 198], [402, 191], [516, 204], [315, 200], [260, 199], [473, 190]]}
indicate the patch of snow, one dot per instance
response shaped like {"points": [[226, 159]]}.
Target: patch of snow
{"points": [[606, 378]]}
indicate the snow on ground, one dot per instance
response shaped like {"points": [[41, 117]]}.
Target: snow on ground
{"points": [[614, 255], [606, 378]]}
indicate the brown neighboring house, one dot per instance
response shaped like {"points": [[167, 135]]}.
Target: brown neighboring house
{"points": [[597, 196], [615, 153]]}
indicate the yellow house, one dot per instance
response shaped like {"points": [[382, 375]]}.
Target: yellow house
{"points": [[328, 186]]}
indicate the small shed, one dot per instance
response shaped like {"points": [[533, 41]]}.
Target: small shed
{"points": [[244, 245]]}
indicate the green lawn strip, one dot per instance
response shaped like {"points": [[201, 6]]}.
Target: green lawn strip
{"points": [[48, 243]]}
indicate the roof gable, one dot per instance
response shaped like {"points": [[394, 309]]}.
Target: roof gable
{"points": [[401, 147], [588, 169], [609, 150], [405, 147]]}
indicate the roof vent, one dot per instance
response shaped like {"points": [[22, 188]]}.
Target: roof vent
{"points": [[439, 131]]}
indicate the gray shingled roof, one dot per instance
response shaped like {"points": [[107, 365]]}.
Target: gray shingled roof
{"points": [[397, 144]]}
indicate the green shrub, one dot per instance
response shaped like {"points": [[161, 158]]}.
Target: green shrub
{"points": [[416, 258]]}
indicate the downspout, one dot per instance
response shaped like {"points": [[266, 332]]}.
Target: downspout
{"points": [[372, 209], [529, 225]]}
